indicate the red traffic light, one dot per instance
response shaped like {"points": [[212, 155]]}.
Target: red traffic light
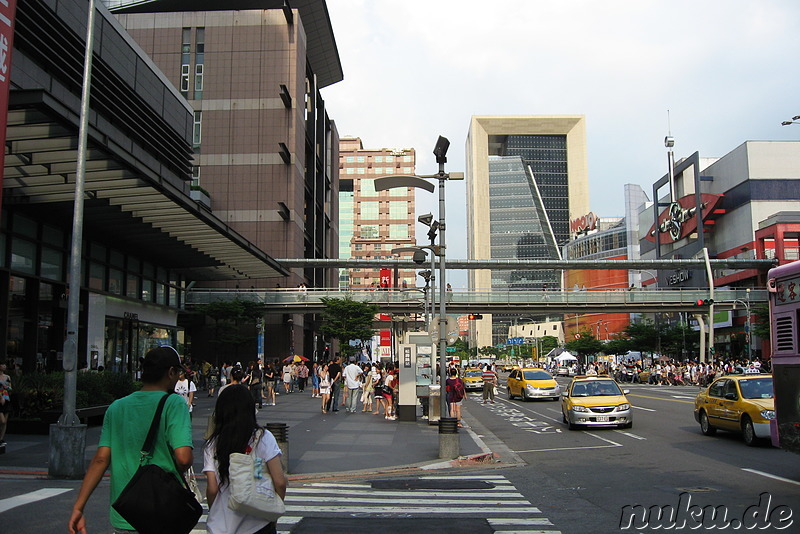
{"points": [[704, 302], [473, 316]]}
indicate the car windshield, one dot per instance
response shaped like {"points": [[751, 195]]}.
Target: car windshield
{"points": [[473, 373], [756, 388], [537, 375], [596, 389]]}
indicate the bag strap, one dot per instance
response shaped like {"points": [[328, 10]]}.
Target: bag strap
{"points": [[147, 447]]}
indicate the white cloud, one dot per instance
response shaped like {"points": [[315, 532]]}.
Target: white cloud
{"points": [[726, 70]]}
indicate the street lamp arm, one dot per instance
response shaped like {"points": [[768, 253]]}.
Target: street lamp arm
{"points": [[399, 180]]}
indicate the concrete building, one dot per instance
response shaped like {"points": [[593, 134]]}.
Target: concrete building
{"points": [[526, 178], [742, 205], [265, 149], [145, 240], [381, 220]]}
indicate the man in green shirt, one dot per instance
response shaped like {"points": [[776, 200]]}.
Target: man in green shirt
{"points": [[124, 430]]}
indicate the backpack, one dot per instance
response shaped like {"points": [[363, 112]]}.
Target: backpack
{"points": [[458, 390]]}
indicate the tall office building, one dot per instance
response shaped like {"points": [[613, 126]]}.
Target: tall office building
{"points": [[265, 149], [526, 177], [381, 221]]}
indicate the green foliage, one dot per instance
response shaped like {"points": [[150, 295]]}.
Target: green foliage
{"points": [[490, 351], [38, 392], [620, 345], [347, 320], [585, 345], [760, 328], [231, 319], [547, 344]]}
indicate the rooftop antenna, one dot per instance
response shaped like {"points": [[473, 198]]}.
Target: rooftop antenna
{"points": [[669, 142]]}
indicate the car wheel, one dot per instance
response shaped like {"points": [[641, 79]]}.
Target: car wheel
{"points": [[705, 426], [510, 396], [749, 432]]}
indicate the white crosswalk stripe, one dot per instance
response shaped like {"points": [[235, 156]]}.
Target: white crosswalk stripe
{"points": [[502, 506]]}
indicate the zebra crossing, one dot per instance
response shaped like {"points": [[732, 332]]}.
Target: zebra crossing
{"points": [[490, 501]]}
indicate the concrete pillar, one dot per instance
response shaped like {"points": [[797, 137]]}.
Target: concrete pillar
{"points": [[449, 440], [67, 449]]}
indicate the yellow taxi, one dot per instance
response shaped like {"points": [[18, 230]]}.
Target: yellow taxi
{"points": [[473, 378], [532, 383], [595, 401], [738, 403]]}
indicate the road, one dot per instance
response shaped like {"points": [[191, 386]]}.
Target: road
{"points": [[566, 481]]}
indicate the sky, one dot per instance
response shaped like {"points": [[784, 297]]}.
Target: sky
{"points": [[714, 73]]}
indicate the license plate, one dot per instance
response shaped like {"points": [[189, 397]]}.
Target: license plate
{"points": [[602, 419]]}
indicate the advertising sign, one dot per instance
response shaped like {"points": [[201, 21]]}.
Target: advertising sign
{"points": [[8, 9]]}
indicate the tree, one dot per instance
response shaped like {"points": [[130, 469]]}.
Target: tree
{"points": [[643, 335], [234, 321], [618, 345], [347, 320], [547, 344], [760, 327], [585, 345]]}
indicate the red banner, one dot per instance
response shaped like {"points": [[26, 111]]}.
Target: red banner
{"points": [[386, 278], [8, 9], [386, 338]]}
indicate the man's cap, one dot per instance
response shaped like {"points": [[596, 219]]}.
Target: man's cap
{"points": [[163, 357]]}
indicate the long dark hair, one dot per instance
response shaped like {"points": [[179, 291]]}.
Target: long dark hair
{"points": [[234, 425]]}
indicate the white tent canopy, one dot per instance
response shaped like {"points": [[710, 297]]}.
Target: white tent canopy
{"points": [[565, 356]]}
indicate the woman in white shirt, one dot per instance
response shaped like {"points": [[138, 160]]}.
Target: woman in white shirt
{"points": [[186, 389], [236, 430]]}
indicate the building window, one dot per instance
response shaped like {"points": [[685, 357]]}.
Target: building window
{"points": [[378, 159], [23, 255], [115, 281], [408, 158], [350, 159], [369, 231], [198, 80], [196, 175], [398, 231], [370, 210], [52, 263], [389, 159], [361, 170], [97, 276], [398, 192], [351, 170], [360, 159], [398, 209], [367, 188], [185, 68], [197, 130]]}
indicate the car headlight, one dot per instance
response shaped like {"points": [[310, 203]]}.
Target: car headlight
{"points": [[768, 414], [623, 407], [577, 408]]}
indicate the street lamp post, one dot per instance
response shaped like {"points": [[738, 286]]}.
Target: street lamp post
{"points": [[390, 182], [747, 333]]}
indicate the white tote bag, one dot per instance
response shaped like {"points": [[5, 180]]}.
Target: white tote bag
{"points": [[251, 488]]}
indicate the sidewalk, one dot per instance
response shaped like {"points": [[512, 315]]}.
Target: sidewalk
{"points": [[320, 445]]}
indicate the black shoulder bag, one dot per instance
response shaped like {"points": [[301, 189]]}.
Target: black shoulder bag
{"points": [[154, 501]]}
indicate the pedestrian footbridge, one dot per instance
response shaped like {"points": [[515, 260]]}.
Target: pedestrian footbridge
{"points": [[485, 301]]}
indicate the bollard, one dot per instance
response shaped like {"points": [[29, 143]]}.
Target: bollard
{"points": [[449, 440], [281, 433]]}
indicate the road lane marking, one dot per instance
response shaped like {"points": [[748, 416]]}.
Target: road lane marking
{"points": [[645, 409], [630, 434], [660, 398], [603, 439], [769, 475], [27, 498], [570, 448]]}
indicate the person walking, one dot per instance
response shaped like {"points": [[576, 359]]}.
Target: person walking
{"points": [[236, 431], [186, 389], [352, 381], [287, 378], [302, 376], [315, 380], [125, 427], [489, 383], [5, 402], [255, 380], [269, 381], [369, 390], [335, 374], [325, 387], [456, 392]]}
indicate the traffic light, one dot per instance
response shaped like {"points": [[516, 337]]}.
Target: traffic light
{"points": [[704, 302], [473, 316]]}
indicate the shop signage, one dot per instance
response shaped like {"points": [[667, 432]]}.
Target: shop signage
{"points": [[129, 316], [584, 223], [679, 277], [679, 219]]}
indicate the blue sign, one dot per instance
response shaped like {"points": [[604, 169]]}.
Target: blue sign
{"points": [[515, 341]]}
